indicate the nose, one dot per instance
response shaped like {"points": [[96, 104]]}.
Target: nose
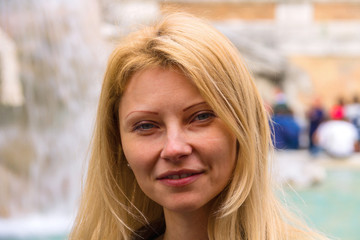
{"points": [[176, 146]]}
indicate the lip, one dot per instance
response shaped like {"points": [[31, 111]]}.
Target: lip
{"points": [[181, 181]]}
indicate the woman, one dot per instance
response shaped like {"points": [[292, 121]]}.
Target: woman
{"points": [[181, 143]]}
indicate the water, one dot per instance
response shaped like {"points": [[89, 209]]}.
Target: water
{"points": [[44, 142], [333, 207], [61, 237], [36, 227]]}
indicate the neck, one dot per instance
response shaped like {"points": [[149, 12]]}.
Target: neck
{"points": [[189, 225]]}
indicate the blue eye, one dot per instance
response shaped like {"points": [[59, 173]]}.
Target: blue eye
{"points": [[144, 126], [204, 116]]}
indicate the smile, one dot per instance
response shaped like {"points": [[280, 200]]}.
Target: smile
{"points": [[184, 175], [179, 178], [180, 174]]}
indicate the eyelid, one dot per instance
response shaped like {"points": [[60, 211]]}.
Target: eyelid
{"points": [[195, 115], [137, 125]]}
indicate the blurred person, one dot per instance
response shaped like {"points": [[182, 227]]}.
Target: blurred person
{"points": [[337, 111], [285, 130], [315, 116], [352, 112], [181, 144], [280, 97], [337, 137]]}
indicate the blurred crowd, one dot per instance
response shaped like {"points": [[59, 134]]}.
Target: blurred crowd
{"points": [[335, 131]]}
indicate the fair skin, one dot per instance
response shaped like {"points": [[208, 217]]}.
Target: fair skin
{"points": [[181, 153]]}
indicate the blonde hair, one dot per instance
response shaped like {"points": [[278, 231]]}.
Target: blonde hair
{"points": [[113, 206]]}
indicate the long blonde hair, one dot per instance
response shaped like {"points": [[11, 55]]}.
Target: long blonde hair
{"points": [[113, 206]]}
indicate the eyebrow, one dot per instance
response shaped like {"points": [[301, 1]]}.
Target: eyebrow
{"points": [[194, 105], [141, 111], [155, 113]]}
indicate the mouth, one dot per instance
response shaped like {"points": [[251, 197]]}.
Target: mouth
{"points": [[179, 176], [175, 175]]}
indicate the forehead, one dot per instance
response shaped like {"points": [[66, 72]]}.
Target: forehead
{"points": [[159, 85], [157, 80]]}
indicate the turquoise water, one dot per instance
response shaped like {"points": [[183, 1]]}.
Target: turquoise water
{"points": [[333, 207]]}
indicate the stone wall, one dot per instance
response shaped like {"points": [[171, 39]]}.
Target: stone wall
{"points": [[330, 11], [331, 77], [265, 10], [220, 11]]}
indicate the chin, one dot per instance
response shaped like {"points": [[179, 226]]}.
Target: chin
{"points": [[186, 205], [183, 207]]}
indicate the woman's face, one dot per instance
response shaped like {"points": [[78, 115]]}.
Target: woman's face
{"points": [[181, 153]]}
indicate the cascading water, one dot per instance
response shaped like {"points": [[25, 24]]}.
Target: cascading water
{"points": [[61, 59]]}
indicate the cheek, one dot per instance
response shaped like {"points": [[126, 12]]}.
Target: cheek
{"points": [[229, 153], [139, 155], [223, 141], [137, 161], [221, 148], [228, 156]]}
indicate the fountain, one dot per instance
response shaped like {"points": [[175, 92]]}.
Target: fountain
{"points": [[53, 62]]}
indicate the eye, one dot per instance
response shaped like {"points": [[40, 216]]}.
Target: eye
{"points": [[142, 127], [203, 116]]}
